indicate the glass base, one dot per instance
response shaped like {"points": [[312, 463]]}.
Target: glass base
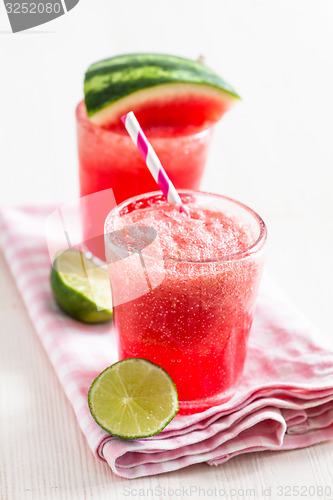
{"points": [[200, 405]]}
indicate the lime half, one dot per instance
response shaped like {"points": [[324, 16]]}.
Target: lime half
{"points": [[133, 398], [81, 288]]}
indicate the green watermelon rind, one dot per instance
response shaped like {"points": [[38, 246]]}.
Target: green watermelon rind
{"points": [[116, 78]]}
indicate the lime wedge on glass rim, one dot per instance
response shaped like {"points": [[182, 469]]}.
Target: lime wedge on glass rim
{"points": [[81, 288], [133, 398]]}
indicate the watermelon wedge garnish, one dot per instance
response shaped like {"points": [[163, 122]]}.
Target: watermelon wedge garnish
{"points": [[162, 90]]}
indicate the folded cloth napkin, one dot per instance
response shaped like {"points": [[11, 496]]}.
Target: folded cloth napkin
{"points": [[285, 399]]}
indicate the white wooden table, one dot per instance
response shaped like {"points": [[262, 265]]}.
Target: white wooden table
{"points": [[274, 152]]}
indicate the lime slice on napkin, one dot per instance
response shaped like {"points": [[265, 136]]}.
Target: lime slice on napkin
{"points": [[133, 398], [81, 288]]}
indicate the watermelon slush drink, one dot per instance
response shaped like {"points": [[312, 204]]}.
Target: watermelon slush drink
{"points": [[202, 275], [109, 159]]}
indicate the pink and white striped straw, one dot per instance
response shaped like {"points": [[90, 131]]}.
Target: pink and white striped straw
{"points": [[152, 161]]}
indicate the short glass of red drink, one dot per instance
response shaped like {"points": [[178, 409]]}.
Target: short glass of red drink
{"points": [[109, 159], [184, 289]]}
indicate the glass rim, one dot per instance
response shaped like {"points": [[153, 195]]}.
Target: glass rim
{"points": [[247, 252], [92, 127]]}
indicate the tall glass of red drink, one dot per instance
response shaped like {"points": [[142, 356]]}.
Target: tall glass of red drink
{"points": [[109, 159], [185, 299]]}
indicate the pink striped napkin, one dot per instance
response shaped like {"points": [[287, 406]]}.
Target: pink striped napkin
{"points": [[285, 399]]}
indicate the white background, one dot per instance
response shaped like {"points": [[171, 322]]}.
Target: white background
{"points": [[273, 152]]}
